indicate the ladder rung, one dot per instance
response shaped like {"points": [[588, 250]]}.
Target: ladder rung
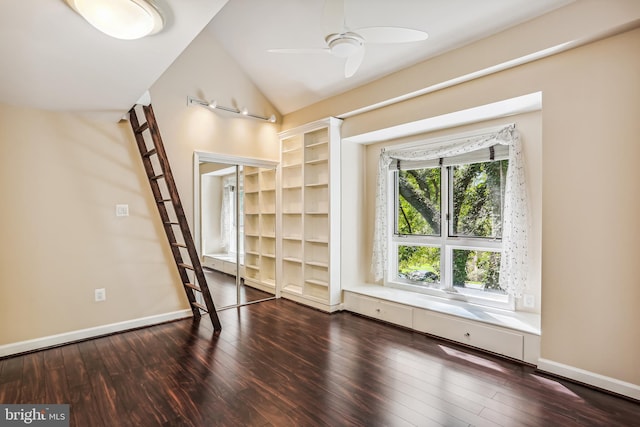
{"points": [[150, 153], [200, 306], [161, 198], [192, 286], [142, 128]]}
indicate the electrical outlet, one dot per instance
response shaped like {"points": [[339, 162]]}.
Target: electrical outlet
{"points": [[528, 301], [122, 210], [100, 294]]}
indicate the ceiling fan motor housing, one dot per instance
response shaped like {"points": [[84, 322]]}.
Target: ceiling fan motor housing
{"points": [[344, 45]]}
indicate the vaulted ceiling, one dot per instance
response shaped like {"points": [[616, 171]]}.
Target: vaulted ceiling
{"points": [[52, 59]]}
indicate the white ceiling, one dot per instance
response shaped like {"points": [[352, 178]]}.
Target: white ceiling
{"points": [[52, 59], [248, 28]]}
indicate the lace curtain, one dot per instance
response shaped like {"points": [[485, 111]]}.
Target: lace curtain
{"points": [[514, 259]]}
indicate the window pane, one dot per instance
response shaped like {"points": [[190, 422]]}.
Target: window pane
{"points": [[418, 204], [478, 199], [477, 270], [419, 264]]}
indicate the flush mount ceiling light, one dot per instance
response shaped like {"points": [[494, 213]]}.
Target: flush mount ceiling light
{"points": [[122, 19]]}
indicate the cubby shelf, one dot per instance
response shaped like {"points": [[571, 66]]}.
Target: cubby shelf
{"points": [[317, 264], [317, 282], [260, 219], [317, 240], [296, 289], [309, 258], [316, 161], [316, 144], [291, 150]]}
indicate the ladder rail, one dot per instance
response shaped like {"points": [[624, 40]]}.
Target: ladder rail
{"points": [[166, 174]]}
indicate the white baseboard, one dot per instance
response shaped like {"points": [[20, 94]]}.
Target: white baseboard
{"points": [[591, 378], [82, 334]]}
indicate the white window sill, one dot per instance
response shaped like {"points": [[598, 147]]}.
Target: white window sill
{"points": [[519, 321]]}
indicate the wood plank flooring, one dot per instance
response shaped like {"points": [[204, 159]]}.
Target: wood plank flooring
{"points": [[223, 290], [281, 364]]}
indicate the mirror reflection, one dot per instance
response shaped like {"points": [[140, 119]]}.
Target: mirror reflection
{"points": [[236, 219]]}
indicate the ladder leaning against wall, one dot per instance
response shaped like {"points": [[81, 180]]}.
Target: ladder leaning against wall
{"points": [[165, 192]]}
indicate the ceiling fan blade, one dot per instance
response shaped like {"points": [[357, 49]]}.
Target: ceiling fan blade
{"points": [[353, 63], [303, 50], [391, 34], [333, 16]]}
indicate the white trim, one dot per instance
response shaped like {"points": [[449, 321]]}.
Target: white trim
{"points": [[204, 156], [508, 107], [309, 127], [82, 334], [465, 78], [591, 378]]}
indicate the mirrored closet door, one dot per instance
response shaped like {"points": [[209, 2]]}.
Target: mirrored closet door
{"points": [[235, 227]]}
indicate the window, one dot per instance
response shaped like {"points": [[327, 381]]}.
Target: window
{"points": [[447, 226]]}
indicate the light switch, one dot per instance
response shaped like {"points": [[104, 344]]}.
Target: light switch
{"points": [[122, 210]]}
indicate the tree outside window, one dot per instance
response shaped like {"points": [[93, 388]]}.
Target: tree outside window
{"points": [[451, 220]]}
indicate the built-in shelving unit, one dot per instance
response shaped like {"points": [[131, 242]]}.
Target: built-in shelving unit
{"points": [[310, 239], [260, 227]]}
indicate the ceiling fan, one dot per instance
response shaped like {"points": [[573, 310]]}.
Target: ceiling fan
{"points": [[350, 44]]}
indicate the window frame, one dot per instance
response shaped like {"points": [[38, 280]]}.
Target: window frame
{"points": [[447, 244]]}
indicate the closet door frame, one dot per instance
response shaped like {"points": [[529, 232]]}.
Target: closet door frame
{"points": [[201, 157]]}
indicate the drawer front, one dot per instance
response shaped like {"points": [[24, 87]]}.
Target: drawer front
{"points": [[230, 268], [213, 263], [489, 338], [389, 312]]}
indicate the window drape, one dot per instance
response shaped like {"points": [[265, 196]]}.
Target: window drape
{"points": [[514, 264]]}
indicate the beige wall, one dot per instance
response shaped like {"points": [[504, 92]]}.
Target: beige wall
{"points": [[61, 177], [590, 197], [206, 71]]}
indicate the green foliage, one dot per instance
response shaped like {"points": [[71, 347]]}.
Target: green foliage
{"points": [[478, 194], [419, 207], [476, 267], [410, 221], [414, 262], [478, 199]]}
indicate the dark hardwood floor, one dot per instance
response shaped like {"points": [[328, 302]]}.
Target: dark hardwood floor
{"points": [[223, 290], [281, 364]]}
